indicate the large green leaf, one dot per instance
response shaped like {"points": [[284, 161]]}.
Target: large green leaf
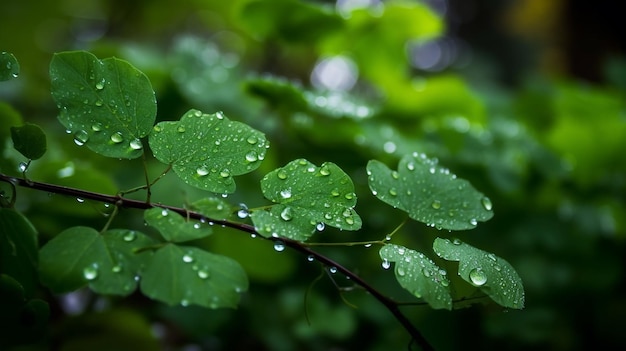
{"points": [[18, 249], [29, 140], [492, 274], [206, 151], [9, 67], [174, 227], [188, 275], [419, 275], [108, 262], [429, 193], [108, 104], [307, 196]]}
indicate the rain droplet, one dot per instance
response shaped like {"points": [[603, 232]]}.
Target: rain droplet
{"points": [[81, 137], [456, 241], [157, 128], [286, 214], [80, 200], [324, 170], [386, 264], [401, 271], [320, 226], [180, 129], [96, 127], [286, 193], [478, 277], [99, 103], [473, 221], [393, 192], [117, 137], [164, 212], [310, 258], [334, 192], [410, 166], [349, 196], [426, 272], [219, 115], [130, 236], [282, 174], [332, 270], [492, 257], [436, 204], [350, 220], [395, 175], [252, 156], [100, 85], [203, 274], [22, 166], [135, 144], [252, 140], [91, 272], [225, 173], [202, 171], [243, 211], [279, 245], [486, 203], [187, 258]]}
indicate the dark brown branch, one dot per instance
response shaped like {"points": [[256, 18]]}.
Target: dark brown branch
{"points": [[120, 201]]}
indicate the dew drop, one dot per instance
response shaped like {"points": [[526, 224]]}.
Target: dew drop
{"points": [[386, 264], [395, 175], [219, 115], [478, 277], [96, 127], [252, 140], [117, 137], [252, 156], [334, 192], [324, 170], [202, 171], [116, 268], [492, 257], [80, 200], [164, 212], [243, 211], [22, 166], [130, 236], [401, 271], [81, 137], [320, 226], [367, 246], [426, 272], [332, 270], [91, 272], [184, 303], [486, 203], [350, 220], [393, 192], [286, 193], [286, 214], [135, 144], [202, 274], [473, 221], [310, 258], [436, 204], [349, 196], [456, 241], [157, 128], [279, 246], [410, 166], [180, 129], [282, 174], [187, 258], [99, 103], [225, 173], [100, 85]]}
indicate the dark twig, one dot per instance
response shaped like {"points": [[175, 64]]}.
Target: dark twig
{"points": [[120, 201]]}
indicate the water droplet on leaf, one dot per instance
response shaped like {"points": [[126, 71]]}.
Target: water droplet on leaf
{"points": [[333, 270], [286, 193], [386, 264], [436, 204], [279, 246], [117, 137], [81, 137], [486, 203], [130, 236], [478, 277], [135, 144], [202, 171], [91, 272], [286, 214], [187, 258]]}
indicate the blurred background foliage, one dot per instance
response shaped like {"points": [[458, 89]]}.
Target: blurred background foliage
{"points": [[526, 99]]}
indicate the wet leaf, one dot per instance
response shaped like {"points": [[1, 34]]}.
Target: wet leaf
{"points": [[429, 193], [107, 105], [174, 227], [206, 151], [306, 195], [212, 207], [180, 275], [109, 262], [419, 275], [9, 67], [490, 273], [29, 140]]}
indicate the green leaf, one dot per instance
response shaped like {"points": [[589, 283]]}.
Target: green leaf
{"points": [[212, 207], [108, 262], [9, 67], [306, 195], [174, 227], [108, 105], [188, 275], [429, 193], [490, 273], [419, 275], [18, 249], [206, 151], [29, 140]]}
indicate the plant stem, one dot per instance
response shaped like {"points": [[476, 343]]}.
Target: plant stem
{"points": [[120, 201]]}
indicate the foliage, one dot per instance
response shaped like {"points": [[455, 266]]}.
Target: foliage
{"points": [[184, 220]]}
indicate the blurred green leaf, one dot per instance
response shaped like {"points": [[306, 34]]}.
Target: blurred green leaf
{"points": [[306, 195], [419, 275], [19, 249], [490, 273], [212, 207], [29, 140], [174, 227], [206, 151], [108, 262], [108, 104], [9, 67], [429, 193], [188, 275]]}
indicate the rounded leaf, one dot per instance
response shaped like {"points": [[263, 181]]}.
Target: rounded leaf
{"points": [[206, 151], [107, 105], [29, 140], [429, 193]]}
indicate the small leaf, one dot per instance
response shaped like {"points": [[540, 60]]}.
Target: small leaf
{"points": [[188, 275], [18, 249], [490, 273], [29, 140], [429, 193], [9, 67], [173, 227], [206, 151], [306, 196], [419, 275], [212, 207], [108, 105], [108, 262]]}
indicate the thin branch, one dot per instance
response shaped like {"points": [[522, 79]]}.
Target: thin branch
{"points": [[120, 201]]}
